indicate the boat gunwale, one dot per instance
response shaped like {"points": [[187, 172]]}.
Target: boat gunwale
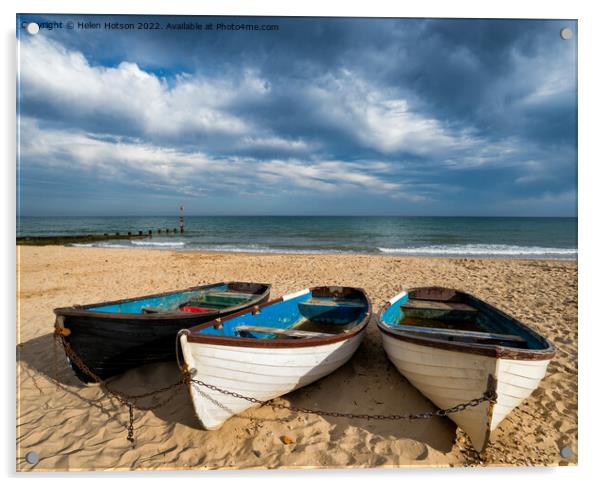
{"points": [[192, 337], [82, 311], [492, 350]]}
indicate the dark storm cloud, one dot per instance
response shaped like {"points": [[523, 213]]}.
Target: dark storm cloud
{"points": [[435, 113]]}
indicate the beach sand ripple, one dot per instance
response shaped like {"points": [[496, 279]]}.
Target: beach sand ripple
{"points": [[75, 427]]}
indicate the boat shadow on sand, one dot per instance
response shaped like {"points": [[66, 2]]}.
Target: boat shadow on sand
{"points": [[367, 384]]}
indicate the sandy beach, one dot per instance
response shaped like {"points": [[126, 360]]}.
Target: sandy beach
{"points": [[75, 427]]}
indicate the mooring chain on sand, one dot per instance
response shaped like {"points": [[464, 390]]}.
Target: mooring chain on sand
{"points": [[130, 401], [127, 400], [487, 397]]}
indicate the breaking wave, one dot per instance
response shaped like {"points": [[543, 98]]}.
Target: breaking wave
{"points": [[483, 250]]}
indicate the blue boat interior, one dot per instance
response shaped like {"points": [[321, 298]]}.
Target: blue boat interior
{"points": [[459, 321], [210, 299], [302, 315]]}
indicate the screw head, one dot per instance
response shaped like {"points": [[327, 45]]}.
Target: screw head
{"points": [[32, 28], [566, 452], [566, 33], [32, 458]]}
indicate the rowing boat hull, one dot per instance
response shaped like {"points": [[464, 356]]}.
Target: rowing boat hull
{"points": [[263, 368], [112, 343], [110, 346], [452, 372], [258, 372], [448, 377]]}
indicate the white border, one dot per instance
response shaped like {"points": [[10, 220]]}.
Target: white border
{"points": [[375, 8], [590, 199]]}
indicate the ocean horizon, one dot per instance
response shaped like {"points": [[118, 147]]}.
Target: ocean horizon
{"points": [[447, 236]]}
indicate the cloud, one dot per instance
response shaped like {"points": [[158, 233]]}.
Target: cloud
{"points": [[326, 175], [202, 112], [276, 144], [189, 173], [443, 115], [377, 118], [545, 201], [60, 82]]}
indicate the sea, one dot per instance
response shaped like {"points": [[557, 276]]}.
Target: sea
{"points": [[481, 237]]}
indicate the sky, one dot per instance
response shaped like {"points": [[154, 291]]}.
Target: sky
{"points": [[324, 116]]}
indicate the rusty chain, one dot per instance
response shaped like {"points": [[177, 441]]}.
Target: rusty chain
{"points": [[130, 401], [487, 397], [120, 396], [125, 399]]}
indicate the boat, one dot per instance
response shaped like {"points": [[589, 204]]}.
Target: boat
{"points": [[272, 350], [112, 337], [454, 347]]}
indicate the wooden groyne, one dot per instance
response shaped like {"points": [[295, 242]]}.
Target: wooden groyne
{"points": [[68, 239]]}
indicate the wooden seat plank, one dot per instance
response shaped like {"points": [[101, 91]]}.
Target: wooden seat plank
{"points": [[237, 295], [281, 332], [488, 336], [333, 303], [435, 305]]}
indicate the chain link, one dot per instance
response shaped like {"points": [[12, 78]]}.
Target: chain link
{"points": [[131, 401], [125, 399], [130, 436], [489, 396], [120, 396], [55, 365]]}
